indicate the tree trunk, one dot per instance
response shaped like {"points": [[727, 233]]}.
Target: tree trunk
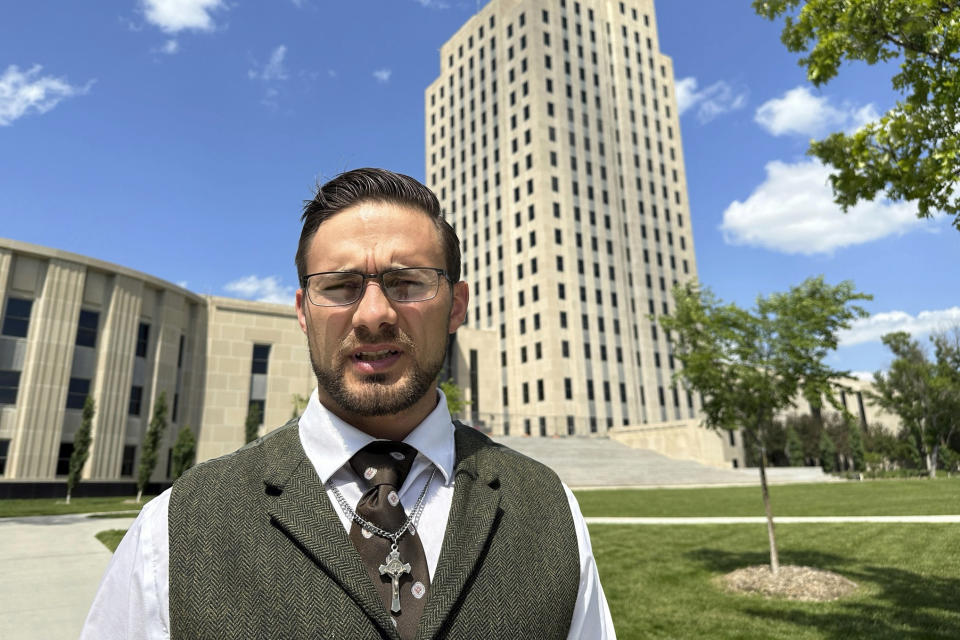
{"points": [[774, 557], [68, 496], [139, 495], [932, 463]]}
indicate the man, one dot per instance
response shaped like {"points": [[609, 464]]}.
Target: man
{"points": [[372, 515]]}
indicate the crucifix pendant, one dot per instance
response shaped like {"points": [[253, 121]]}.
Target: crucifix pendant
{"points": [[394, 568]]}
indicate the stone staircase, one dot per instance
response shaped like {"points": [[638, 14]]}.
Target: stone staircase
{"points": [[584, 462]]}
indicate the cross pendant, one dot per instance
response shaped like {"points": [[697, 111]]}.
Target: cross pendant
{"points": [[394, 568]]}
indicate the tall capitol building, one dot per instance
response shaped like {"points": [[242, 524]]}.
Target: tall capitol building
{"points": [[553, 142]]}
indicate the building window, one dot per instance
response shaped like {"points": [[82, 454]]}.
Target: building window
{"points": [[129, 456], [87, 328], [136, 397], [77, 392], [143, 339], [63, 458], [4, 451], [16, 320], [9, 384], [261, 355]]}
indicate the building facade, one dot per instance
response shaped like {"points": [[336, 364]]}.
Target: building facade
{"points": [[553, 143]]}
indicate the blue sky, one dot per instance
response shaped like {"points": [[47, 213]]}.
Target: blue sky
{"points": [[180, 137]]}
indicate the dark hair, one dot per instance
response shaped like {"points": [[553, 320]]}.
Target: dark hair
{"points": [[374, 185]]}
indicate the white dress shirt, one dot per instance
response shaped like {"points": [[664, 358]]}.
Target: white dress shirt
{"points": [[132, 602]]}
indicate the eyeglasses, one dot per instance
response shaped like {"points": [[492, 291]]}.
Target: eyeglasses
{"points": [[340, 288]]}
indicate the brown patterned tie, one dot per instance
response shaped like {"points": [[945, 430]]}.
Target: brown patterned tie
{"points": [[383, 466]]}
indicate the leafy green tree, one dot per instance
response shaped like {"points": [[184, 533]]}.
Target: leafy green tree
{"points": [[925, 394], [81, 446], [455, 401], [299, 405], [913, 151], [151, 443], [252, 425], [184, 452], [794, 448], [855, 443], [828, 452], [749, 365]]}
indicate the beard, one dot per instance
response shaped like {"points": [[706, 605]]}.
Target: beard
{"points": [[372, 395]]}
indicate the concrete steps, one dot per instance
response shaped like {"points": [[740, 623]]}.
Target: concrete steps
{"points": [[584, 462]]}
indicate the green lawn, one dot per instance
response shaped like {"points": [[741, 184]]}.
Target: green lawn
{"points": [[111, 538], [56, 506], [659, 581], [868, 498]]}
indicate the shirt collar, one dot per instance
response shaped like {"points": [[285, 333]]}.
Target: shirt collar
{"points": [[329, 442]]}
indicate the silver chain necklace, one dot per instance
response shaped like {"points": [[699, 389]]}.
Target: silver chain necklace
{"points": [[393, 566], [412, 519]]}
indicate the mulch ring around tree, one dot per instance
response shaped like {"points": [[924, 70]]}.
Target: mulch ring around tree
{"points": [[791, 583]]}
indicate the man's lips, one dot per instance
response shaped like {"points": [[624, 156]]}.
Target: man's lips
{"points": [[375, 358]]}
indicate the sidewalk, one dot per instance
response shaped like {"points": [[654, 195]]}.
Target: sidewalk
{"points": [[51, 569]]}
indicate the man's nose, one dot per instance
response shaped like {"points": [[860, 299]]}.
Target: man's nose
{"points": [[374, 308]]}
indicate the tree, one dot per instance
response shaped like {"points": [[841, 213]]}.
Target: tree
{"points": [[925, 394], [749, 365], [855, 442], [252, 425], [151, 442], [828, 452], [455, 402], [184, 452], [299, 404], [913, 151], [794, 448], [81, 446]]}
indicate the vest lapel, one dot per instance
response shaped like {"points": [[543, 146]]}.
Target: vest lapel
{"points": [[304, 513], [473, 516]]}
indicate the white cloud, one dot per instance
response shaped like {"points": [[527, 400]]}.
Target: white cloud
{"points": [[382, 75], [433, 4], [799, 112], [273, 69], [713, 101], [24, 91], [793, 211], [870, 329], [170, 47], [266, 289], [176, 15], [864, 376]]}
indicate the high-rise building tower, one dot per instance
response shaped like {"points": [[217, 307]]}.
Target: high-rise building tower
{"points": [[553, 143]]}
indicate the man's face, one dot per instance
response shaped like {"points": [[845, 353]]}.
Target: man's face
{"points": [[377, 357]]}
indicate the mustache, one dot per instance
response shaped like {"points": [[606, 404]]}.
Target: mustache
{"points": [[362, 336]]}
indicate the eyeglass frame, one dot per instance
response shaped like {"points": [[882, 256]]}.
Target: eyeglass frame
{"points": [[379, 278]]}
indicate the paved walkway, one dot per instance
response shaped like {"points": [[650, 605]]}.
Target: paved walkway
{"points": [[51, 568]]}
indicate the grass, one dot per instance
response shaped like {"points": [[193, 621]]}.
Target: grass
{"points": [[868, 498], [111, 538], [659, 581], [19, 508]]}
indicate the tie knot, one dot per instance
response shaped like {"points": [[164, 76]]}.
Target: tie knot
{"points": [[384, 462]]}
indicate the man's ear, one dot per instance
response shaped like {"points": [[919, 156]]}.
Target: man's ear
{"points": [[301, 312], [458, 310]]}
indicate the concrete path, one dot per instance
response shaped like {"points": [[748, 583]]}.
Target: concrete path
{"points": [[51, 569], [585, 463], [781, 520]]}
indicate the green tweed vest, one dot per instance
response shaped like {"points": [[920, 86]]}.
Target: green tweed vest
{"points": [[257, 551]]}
